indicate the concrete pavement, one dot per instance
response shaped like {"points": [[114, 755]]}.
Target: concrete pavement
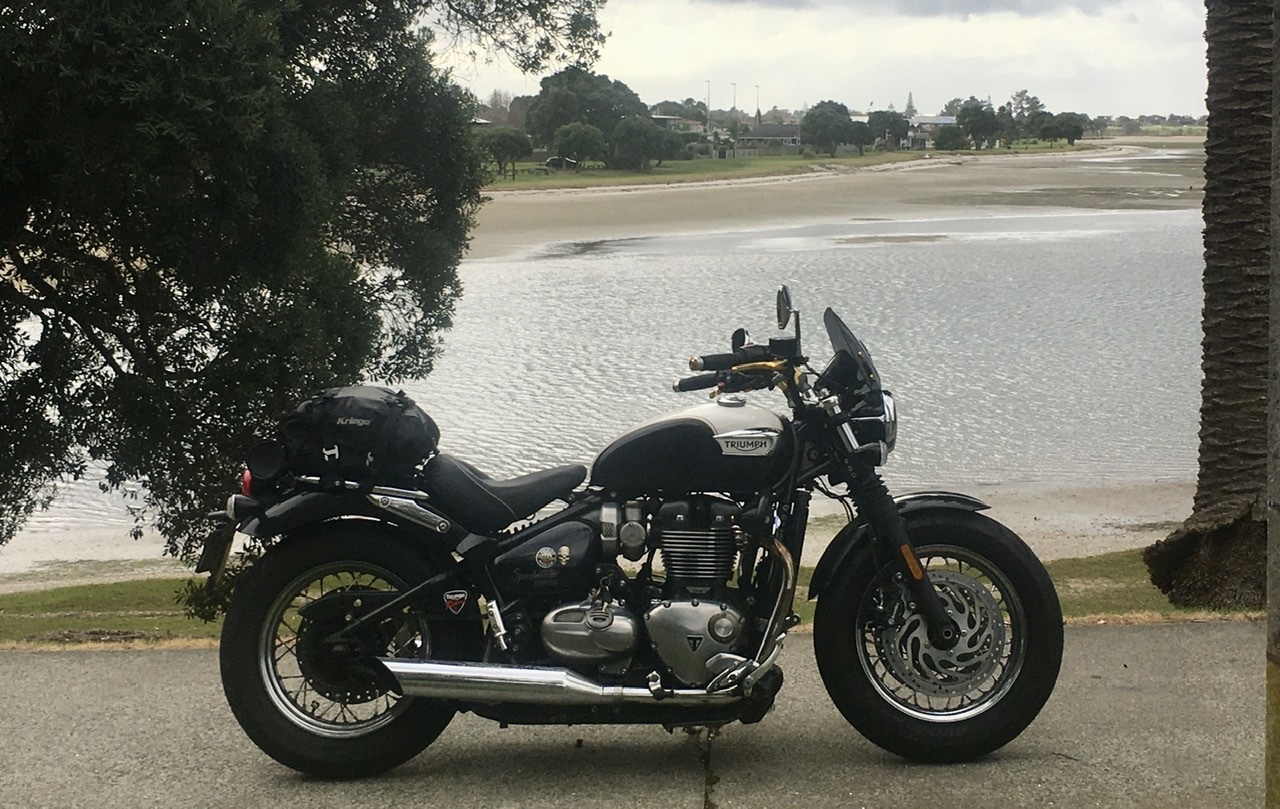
{"points": [[1150, 716]]}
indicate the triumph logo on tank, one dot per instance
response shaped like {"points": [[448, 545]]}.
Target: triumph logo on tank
{"points": [[747, 442]]}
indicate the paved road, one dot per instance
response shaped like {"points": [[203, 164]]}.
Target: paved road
{"points": [[1143, 716]]}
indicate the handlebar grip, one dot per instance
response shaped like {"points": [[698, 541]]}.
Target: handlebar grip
{"points": [[695, 382], [716, 362]]}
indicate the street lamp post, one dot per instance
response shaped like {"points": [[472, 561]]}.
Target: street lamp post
{"points": [[710, 138], [734, 131]]}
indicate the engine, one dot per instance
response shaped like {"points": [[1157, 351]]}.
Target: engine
{"points": [[688, 615]]}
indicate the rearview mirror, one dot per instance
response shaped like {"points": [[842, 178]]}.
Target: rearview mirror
{"points": [[784, 307]]}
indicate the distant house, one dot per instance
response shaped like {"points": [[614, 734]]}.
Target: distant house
{"points": [[766, 135], [924, 128], [677, 124]]}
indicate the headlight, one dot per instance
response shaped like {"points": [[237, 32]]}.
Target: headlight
{"points": [[890, 421]]}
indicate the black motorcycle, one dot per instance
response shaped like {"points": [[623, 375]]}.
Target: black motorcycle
{"points": [[400, 585]]}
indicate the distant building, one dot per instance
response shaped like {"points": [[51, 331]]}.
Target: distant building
{"points": [[766, 135], [924, 129]]}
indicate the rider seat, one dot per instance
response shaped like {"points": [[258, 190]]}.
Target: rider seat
{"points": [[485, 505]]}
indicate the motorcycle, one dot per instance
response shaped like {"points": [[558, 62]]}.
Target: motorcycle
{"points": [[660, 593]]}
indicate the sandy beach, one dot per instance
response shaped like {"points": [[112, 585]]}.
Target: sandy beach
{"points": [[1056, 520]]}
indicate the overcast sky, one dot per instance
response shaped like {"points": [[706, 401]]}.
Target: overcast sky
{"points": [[1099, 57]]}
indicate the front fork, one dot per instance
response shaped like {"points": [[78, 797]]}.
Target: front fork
{"points": [[881, 512]]}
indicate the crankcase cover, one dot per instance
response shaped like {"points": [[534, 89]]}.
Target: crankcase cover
{"points": [[723, 446], [687, 634]]}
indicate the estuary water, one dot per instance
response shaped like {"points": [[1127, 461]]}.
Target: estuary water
{"points": [[1049, 346]]}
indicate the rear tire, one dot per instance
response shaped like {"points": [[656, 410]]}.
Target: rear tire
{"points": [[928, 704], [294, 702]]}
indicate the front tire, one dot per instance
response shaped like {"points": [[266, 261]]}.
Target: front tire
{"points": [[934, 705], [296, 702]]}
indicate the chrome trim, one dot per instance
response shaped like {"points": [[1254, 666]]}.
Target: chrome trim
{"points": [[478, 682], [766, 437], [776, 629], [410, 510]]}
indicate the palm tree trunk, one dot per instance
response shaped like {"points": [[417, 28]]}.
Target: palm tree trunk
{"points": [[1216, 558]]}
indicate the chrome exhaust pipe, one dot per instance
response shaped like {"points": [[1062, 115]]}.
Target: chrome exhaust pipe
{"points": [[480, 682]]}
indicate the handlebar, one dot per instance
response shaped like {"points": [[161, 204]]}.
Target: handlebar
{"points": [[723, 362], [698, 382]]}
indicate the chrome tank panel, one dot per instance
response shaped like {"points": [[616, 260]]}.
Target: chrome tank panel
{"points": [[722, 446]]}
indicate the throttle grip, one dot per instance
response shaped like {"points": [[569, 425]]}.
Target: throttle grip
{"points": [[698, 382], [716, 362]]}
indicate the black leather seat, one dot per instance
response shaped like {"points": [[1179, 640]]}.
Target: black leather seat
{"points": [[485, 505]]}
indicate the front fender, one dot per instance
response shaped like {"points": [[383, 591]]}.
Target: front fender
{"points": [[857, 533]]}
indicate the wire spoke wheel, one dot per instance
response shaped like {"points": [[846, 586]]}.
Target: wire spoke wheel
{"points": [[936, 684], [316, 690], [907, 695]]}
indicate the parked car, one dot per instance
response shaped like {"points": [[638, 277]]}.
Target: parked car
{"points": [[561, 163]]}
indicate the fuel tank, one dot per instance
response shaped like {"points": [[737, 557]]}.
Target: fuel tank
{"points": [[724, 446]]}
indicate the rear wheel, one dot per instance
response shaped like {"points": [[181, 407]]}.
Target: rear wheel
{"points": [[942, 705], [316, 707]]}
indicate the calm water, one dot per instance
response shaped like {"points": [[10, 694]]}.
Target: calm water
{"points": [[1044, 347]]}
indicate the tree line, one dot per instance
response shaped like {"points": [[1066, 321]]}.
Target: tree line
{"points": [[584, 116]]}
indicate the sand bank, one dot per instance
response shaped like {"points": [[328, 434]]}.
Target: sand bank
{"points": [[514, 222]]}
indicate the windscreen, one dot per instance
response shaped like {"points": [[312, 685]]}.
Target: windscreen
{"points": [[856, 371]]}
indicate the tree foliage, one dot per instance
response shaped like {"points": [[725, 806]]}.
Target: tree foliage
{"points": [[210, 208], [827, 125], [888, 126], [576, 95], [505, 144], [637, 140], [860, 135], [978, 121], [951, 138], [579, 142]]}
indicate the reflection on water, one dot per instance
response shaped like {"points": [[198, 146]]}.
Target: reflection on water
{"points": [[1038, 347]]}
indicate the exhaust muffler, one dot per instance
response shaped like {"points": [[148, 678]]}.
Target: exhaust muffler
{"points": [[481, 682]]}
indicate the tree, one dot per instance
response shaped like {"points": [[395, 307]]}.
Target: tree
{"points": [[978, 121], [861, 135], [1027, 111], [576, 95], [909, 111], [495, 110], [1071, 126], [952, 107], [636, 141], [208, 210], [950, 138], [890, 126], [505, 144], [579, 142], [1215, 557], [827, 125]]}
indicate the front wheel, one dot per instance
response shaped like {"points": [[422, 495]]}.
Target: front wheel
{"points": [[305, 703], [929, 704]]}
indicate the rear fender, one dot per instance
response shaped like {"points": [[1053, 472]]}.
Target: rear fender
{"points": [[307, 509], [857, 533]]}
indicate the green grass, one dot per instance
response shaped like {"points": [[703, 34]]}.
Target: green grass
{"points": [[1112, 588], [689, 171], [137, 612]]}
